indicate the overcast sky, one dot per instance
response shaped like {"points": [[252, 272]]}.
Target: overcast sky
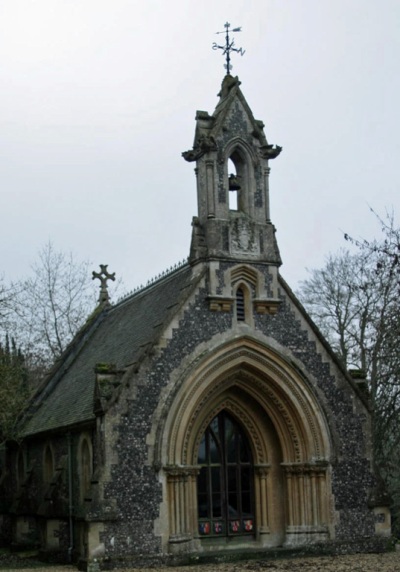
{"points": [[98, 99]]}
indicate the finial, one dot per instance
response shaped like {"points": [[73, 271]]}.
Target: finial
{"points": [[228, 48], [103, 276]]}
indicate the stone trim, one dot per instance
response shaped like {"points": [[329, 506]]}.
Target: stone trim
{"points": [[220, 303], [269, 306]]}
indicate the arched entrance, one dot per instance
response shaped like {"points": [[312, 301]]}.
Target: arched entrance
{"points": [[225, 483], [275, 407]]}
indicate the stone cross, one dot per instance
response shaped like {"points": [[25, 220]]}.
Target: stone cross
{"points": [[103, 276]]}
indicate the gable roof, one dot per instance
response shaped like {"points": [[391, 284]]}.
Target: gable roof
{"points": [[230, 91], [210, 127], [119, 335]]}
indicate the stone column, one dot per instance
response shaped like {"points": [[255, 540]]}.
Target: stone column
{"points": [[262, 497], [307, 503], [182, 505], [314, 499], [210, 189], [322, 497], [266, 183]]}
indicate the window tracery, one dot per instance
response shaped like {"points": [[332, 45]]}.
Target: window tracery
{"points": [[225, 487]]}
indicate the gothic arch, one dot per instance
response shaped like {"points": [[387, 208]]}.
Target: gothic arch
{"points": [[48, 464], [270, 381], [287, 432], [245, 153], [245, 273], [244, 160], [21, 466], [243, 306], [84, 464]]}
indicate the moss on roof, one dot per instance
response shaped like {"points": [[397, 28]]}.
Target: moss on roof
{"points": [[119, 336]]}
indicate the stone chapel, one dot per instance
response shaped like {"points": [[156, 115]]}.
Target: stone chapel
{"points": [[205, 413]]}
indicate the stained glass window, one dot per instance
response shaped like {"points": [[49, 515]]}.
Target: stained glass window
{"points": [[225, 482]]}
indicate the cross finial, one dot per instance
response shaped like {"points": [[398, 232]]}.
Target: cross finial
{"points": [[228, 47], [103, 276]]}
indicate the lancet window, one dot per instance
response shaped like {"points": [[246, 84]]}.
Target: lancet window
{"points": [[237, 181], [86, 467], [240, 305], [234, 186], [48, 465], [225, 484], [20, 467]]}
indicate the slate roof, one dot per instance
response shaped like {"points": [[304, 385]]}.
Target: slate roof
{"points": [[119, 336]]}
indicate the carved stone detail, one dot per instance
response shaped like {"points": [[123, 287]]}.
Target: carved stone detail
{"points": [[243, 237], [269, 306], [220, 304], [252, 382], [240, 414]]}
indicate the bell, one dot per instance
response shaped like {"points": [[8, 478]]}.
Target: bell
{"points": [[234, 183]]}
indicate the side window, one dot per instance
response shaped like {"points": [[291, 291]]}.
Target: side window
{"points": [[85, 467], [48, 465], [20, 468]]}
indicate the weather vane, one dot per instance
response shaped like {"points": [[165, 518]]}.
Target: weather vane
{"points": [[228, 48]]}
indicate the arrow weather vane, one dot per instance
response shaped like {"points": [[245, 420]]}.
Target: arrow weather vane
{"points": [[228, 48]]}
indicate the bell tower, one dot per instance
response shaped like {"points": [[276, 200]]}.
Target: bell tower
{"points": [[232, 158]]}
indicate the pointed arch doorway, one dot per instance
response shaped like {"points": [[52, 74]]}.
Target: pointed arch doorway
{"points": [[282, 425], [225, 483]]}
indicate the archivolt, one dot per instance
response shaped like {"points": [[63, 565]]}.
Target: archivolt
{"points": [[235, 407], [246, 378]]}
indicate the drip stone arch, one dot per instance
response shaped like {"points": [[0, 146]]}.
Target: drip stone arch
{"points": [[261, 379], [246, 273], [287, 431]]}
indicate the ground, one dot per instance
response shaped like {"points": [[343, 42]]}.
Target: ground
{"points": [[388, 562]]}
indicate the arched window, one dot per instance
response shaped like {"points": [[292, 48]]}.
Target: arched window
{"points": [[225, 485], [86, 467], [238, 168], [20, 468], [234, 186], [48, 465], [240, 305]]}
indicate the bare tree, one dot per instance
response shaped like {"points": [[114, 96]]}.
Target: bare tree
{"points": [[354, 300], [51, 305], [43, 313]]}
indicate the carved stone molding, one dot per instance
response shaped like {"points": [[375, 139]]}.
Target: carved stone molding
{"points": [[241, 414], [262, 470], [220, 303], [317, 469], [187, 471], [260, 387], [266, 306]]}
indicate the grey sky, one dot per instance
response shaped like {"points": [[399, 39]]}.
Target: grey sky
{"points": [[98, 98]]}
